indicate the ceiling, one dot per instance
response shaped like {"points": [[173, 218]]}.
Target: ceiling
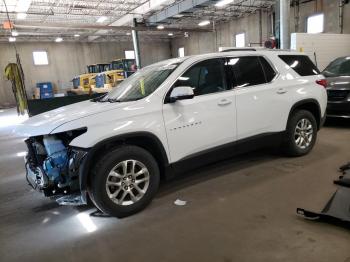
{"points": [[92, 20]]}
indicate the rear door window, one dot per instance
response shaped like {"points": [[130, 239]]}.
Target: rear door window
{"points": [[270, 73], [300, 64], [244, 71]]}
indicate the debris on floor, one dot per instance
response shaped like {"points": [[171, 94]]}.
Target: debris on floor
{"points": [[180, 202], [338, 207]]}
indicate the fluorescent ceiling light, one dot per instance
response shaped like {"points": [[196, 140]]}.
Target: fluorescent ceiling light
{"points": [[128, 33], [14, 33], [101, 19], [58, 39], [76, 35], [160, 27], [21, 16], [170, 34], [223, 3], [204, 23], [12, 39]]}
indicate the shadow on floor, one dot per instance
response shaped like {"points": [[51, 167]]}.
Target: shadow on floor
{"points": [[337, 122], [207, 172]]}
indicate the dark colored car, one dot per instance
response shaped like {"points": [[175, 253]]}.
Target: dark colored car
{"points": [[338, 88]]}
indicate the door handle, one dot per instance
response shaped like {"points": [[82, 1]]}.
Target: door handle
{"points": [[224, 102], [281, 91]]}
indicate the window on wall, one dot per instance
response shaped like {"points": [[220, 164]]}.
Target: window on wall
{"points": [[40, 58], [315, 24], [181, 52], [130, 54], [240, 40]]}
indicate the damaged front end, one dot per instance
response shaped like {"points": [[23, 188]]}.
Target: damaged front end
{"points": [[53, 167]]}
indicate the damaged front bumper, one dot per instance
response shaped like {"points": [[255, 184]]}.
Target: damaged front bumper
{"points": [[69, 192]]}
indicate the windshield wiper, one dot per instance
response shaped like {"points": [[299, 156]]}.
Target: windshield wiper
{"points": [[113, 100], [98, 99]]}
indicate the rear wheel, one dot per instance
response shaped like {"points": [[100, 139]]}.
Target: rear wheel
{"points": [[124, 181], [301, 133]]}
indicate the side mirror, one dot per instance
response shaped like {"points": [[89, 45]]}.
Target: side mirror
{"points": [[181, 93]]}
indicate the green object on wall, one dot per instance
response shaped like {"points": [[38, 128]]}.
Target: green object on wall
{"points": [[14, 73]]}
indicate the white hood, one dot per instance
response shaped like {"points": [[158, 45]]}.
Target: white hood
{"points": [[47, 122]]}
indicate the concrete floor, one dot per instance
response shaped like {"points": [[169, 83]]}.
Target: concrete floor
{"points": [[238, 210]]}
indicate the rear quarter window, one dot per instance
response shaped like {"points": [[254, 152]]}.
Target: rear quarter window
{"points": [[300, 64]]}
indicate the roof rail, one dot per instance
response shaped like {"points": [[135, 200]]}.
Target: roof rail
{"points": [[238, 49]]}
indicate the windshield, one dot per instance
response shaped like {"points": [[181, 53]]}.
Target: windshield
{"points": [[339, 67], [142, 83]]}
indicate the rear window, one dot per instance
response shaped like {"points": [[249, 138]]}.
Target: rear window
{"points": [[339, 67], [300, 64]]}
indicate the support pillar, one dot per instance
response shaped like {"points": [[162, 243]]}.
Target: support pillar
{"points": [[135, 40]]}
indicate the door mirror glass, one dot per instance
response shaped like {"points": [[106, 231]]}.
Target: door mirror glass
{"points": [[181, 93]]}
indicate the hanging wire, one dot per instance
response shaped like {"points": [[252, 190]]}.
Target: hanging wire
{"points": [[9, 20]]}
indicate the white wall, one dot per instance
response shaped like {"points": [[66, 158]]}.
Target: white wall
{"points": [[67, 60], [326, 46]]}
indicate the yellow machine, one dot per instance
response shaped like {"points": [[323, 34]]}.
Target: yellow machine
{"points": [[86, 81], [119, 70]]}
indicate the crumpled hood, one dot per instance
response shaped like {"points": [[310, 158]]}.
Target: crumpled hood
{"points": [[47, 122]]}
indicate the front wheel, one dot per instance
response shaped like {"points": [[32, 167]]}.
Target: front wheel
{"points": [[301, 133], [124, 181]]}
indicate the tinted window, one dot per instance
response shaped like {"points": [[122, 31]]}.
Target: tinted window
{"points": [[268, 70], [339, 67], [205, 77], [300, 64], [246, 71]]}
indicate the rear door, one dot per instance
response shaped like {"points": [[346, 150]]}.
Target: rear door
{"points": [[261, 104]]}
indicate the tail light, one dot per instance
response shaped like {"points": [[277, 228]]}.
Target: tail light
{"points": [[322, 82]]}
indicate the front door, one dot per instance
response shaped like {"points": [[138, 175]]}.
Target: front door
{"points": [[206, 121]]}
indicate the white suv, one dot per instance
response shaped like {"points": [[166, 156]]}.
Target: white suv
{"points": [[180, 111]]}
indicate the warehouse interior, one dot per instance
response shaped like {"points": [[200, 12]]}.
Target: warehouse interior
{"points": [[238, 209]]}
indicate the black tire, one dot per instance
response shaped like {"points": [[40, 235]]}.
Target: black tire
{"points": [[100, 172], [289, 146]]}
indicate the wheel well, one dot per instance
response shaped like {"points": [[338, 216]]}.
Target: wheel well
{"points": [[152, 145], [310, 106]]}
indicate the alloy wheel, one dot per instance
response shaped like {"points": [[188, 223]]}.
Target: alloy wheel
{"points": [[303, 133], [127, 182]]}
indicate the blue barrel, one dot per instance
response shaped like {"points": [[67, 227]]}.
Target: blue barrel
{"points": [[45, 87]]}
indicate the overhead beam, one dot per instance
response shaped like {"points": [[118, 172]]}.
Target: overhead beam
{"points": [[192, 5], [176, 9], [103, 27]]}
